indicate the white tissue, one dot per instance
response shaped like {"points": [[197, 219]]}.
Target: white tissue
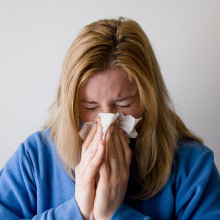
{"points": [[126, 123]]}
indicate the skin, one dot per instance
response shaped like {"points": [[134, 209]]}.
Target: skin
{"points": [[110, 91], [103, 172]]}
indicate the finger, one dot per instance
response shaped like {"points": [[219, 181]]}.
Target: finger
{"points": [[119, 148], [104, 173], [126, 149], [109, 142], [95, 142], [111, 152], [92, 149], [89, 138], [95, 163], [98, 135]]}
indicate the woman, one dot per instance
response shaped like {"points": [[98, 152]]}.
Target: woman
{"points": [[165, 173]]}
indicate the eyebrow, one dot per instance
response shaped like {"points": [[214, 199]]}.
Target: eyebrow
{"points": [[118, 100], [92, 102]]}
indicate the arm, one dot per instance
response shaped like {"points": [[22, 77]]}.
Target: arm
{"points": [[198, 186], [18, 193]]}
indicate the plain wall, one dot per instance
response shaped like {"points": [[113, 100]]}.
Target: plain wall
{"points": [[35, 35]]}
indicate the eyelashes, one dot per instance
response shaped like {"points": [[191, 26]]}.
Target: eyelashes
{"points": [[125, 106], [91, 109], [120, 106]]}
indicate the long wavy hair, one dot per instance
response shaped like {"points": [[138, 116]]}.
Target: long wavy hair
{"points": [[119, 43]]}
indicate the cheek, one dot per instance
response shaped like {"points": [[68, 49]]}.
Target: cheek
{"points": [[86, 116], [136, 111], [139, 112]]}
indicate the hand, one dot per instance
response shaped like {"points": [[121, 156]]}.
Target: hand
{"points": [[113, 174], [86, 171]]}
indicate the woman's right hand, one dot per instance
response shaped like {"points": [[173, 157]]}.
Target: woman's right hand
{"points": [[86, 171]]}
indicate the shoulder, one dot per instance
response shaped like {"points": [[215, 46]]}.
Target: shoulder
{"points": [[38, 139], [38, 151], [192, 147], [196, 182], [34, 156], [194, 162], [190, 153], [35, 146], [38, 142]]}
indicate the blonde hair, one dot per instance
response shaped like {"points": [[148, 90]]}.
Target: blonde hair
{"points": [[119, 43]]}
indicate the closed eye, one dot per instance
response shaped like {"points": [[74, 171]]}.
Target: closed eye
{"points": [[125, 106], [91, 109]]}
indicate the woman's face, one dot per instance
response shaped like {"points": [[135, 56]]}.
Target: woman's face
{"points": [[109, 91]]}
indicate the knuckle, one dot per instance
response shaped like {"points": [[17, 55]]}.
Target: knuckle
{"points": [[91, 154]]}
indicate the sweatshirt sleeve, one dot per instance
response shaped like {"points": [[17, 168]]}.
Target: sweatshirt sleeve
{"points": [[198, 185], [18, 193], [126, 212]]}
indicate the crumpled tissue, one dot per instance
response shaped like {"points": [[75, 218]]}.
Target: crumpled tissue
{"points": [[126, 123]]}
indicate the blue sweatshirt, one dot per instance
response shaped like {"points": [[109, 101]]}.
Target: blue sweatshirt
{"points": [[34, 185]]}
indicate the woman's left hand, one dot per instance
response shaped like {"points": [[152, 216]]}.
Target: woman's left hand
{"points": [[113, 174]]}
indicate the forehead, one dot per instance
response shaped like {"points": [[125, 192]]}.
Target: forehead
{"points": [[112, 83]]}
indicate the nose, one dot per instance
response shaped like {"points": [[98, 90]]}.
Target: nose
{"points": [[109, 109]]}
